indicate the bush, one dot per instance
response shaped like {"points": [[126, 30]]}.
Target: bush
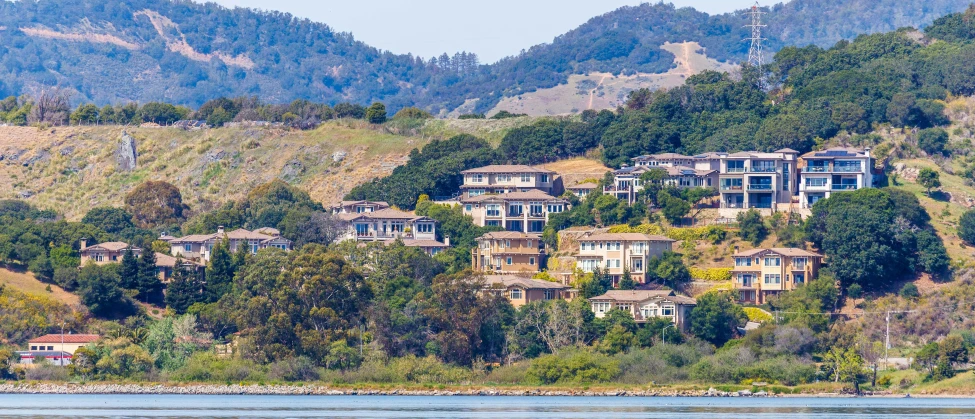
{"points": [[966, 227], [207, 366], [573, 367], [757, 315], [713, 234], [294, 369], [711, 274], [910, 291], [932, 140]]}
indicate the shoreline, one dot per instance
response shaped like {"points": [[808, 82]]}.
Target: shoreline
{"points": [[320, 390]]}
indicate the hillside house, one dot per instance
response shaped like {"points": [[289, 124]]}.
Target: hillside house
{"points": [[387, 224], [582, 190], [521, 290], [750, 179], [644, 305], [627, 183], [836, 169], [617, 252], [358, 207], [104, 253], [526, 212], [505, 178], [199, 247], [430, 247], [58, 349], [508, 252], [761, 273]]}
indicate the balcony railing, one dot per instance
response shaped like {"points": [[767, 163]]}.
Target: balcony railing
{"points": [[763, 170], [735, 170], [847, 169], [731, 187], [536, 215], [815, 169], [844, 187], [759, 187]]}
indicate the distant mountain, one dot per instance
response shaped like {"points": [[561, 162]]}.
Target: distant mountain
{"points": [[111, 51]]}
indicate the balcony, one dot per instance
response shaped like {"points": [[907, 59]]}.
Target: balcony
{"points": [[534, 214], [844, 187], [847, 169], [759, 187], [735, 170], [731, 187], [815, 169], [763, 170]]}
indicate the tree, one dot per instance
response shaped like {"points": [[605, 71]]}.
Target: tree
{"points": [[220, 271], [909, 291], [929, 179], [966, 226], [674, 208], [129, 269], [376, 113], [751, 227], [854, 291], [626, 282], [86, 114], [156, 203], [932, 140], [185, 288], [412, 112], [111, 219], [845, 365], [149, 285], [668, 268], [50, 107], [716, 318], [100, 289]]}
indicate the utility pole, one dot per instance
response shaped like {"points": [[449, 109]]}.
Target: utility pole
{"points": [[887, 333], [756, 53]]}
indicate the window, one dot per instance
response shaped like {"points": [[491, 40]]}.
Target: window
{"points": [[773, 262], [476, 192], [615, 246], [187, 247], [525, 177], [508, 260], [506, 244], [735, 166], [746, 280], [743, 261], [799, 263], [494, 210], [493, 223], [763, 166], [33, 348], [516, 294], [535, 209], [799, 278], [543, 178], [478, 178], [555, 208], [114, 257], [549, 294], [668, 311], [424, 228], [846, 166], [467, 208], [731, 184], [516, 209], [536, 226], [504, 178], [531, 261], [254, 248], [785, 176], [50, 348], [362, 229], [816, 181], [587, 265], [773, 278]]}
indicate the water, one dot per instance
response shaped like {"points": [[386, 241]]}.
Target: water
{"points": [[171, 406]]}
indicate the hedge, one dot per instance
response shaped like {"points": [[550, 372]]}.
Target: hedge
{"points": [[756, 314], [711, 274]]}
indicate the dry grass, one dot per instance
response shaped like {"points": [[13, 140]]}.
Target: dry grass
{"points": [[576, 170], [26, 283]]}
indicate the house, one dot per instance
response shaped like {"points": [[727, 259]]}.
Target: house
{"points": [[706, 161], [430, 247], [505, 178], [617, 252], [521, 290], [387, 224], [54, 357], [582, 190], [167, 264], [833, 170], [200, 246], [646, 304], [514, 211], [760, 273], [61, 342], [766, 181], [103, 253], [356, 207], [627, 183], [508, 252]]}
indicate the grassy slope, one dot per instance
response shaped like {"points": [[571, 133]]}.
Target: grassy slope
{"points": [[26, 283]]}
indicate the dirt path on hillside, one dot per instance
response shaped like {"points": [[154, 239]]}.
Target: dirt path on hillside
{"points": [[592, 93]]}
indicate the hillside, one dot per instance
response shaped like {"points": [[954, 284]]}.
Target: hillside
{"points": [[185, 52]]}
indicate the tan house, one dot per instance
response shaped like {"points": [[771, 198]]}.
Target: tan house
{"points": [[430, 247], [508, 252], [760, 273], [617, 252], [521, 290], [65, 343], [103, 253], [388, 224], [582, 190], [527, 212], [356, 207], [646, 304], [167, 264], [505, 178], [200, 246]]}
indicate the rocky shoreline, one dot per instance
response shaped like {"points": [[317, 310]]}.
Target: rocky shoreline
{"points": [[295, 390]]}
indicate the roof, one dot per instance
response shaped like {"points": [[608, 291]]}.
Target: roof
{"points": [[643, 295], [194, 238], [385, 213], [508, 235], [56, 338], [112, 246], [836, 152], [787, 150], [166, 237], [527, 283], [508, 168], [662, 156], [626, 237], [587, 185], [418, 243], [168, 261], [241, 234], [530, 195], [684, 170], [377, 203], [785, 251]]}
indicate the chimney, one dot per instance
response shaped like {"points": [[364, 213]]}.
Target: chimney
{"points": [[219, 229], [736, 249], [84, 243], [446, 241], [867, 151]]}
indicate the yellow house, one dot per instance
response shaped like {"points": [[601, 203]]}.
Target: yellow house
{"points": [[521, 290], [760, 273], [508, 252], [65, 343]]}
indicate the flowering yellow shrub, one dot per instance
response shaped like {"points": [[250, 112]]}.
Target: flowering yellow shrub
{"points": [[711, 274], [757, 315]]}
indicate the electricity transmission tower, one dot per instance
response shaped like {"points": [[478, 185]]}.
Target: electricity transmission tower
{"points": [[756, 55]]}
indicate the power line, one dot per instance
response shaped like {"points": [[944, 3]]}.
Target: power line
{"points": [[756, 52]]}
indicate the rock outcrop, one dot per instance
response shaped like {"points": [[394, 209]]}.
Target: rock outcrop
{"points": [[126, 155]]}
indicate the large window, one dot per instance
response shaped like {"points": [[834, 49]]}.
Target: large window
{"points": [[736, 166], [516, 209], [424, 228], [515, 294], [773, 278], [846, 166], [362, 229], [763, 166], [773, 262], [743, 261], [494, 210], [549, 294], [477, 178], [536, 226], [731, 184], [525, 177], [504, 178], [816, 182], [555, 208], [535, 209]]}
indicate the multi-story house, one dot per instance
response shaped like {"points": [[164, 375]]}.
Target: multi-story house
{"points": [[520, 290], [582, 190], [508, 252], [514, 211], [430, 247], [617, 252], [644, 305], [356, 207], [760, 273], [627, 183], [706, 161], [757, 180], [200, 246], [104, 253], [387, 224], [505, 178], [833, 170]]}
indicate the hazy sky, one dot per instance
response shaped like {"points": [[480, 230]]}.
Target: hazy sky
{"points": [[491, 28]]}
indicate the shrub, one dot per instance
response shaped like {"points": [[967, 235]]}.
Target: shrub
{"points": [[206, 366], [573, 367], [757, 315], [910, 291], [713, 234], [966, 226], [711, 274]]}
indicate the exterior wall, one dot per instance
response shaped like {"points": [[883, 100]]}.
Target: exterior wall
{"points": [[644, 310], [385, 229], [195, 250], [632, 254], [818, 181], [526, 222], [626, 186], [493, 255], [509, 182], [66, 347], [754, 186], [759, 289]]}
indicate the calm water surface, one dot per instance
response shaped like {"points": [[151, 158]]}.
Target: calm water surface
{"points": [[169, 406]]}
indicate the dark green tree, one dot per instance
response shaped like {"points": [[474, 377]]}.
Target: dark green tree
{"points": [[716, 318], [149, 285], [100, 289], [626, 282], [966, 227], [932, 140], [376, 113], [184, 289], [129, 269], [752, 227], [219, 273], [929, 179]]}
